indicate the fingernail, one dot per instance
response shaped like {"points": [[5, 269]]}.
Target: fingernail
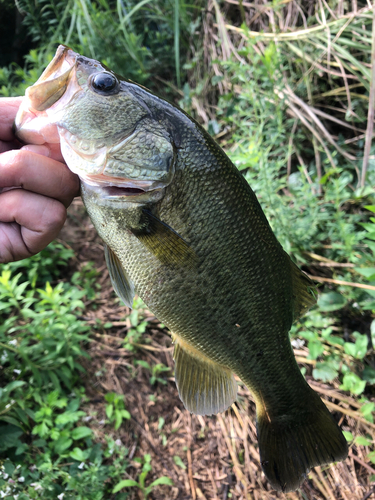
{"points": [[38, 149]]}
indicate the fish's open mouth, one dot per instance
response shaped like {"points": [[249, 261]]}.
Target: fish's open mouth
{"points": [[123, 191]]}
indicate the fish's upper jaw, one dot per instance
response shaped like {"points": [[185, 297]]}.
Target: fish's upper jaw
{"points": [[53, 90], [54, 80]]}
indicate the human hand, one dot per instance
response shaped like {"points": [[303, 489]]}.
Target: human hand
{"points": [[36, 188]]}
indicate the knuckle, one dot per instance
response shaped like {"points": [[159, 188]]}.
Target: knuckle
{"points": [[54, 216]]}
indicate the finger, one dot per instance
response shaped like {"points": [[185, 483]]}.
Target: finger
{"points": [[38, 219], [50, 150], [39, 174], [8, 110]]}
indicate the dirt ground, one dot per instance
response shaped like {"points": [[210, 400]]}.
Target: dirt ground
{"points": [[218, 455]]}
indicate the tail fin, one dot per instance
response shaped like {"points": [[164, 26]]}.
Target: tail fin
{"points": [[290, 445]]}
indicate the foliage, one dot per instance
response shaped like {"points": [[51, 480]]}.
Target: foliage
{"points": [[140, 484], [138, 325], [129, 36], [115, 409], [155, 371], [41, 396]]}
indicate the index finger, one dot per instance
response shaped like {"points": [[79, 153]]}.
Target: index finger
{"points": [[39, 174], [8, 110]]}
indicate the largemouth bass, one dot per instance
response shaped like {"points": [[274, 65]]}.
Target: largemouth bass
{"points": [[183, 230]]}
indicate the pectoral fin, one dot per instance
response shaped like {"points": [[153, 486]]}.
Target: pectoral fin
{"points": [[121, 282], [167, 245], [204, 387]]}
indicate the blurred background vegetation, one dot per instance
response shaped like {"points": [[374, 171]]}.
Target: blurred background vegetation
{"points": [[88, 408]]}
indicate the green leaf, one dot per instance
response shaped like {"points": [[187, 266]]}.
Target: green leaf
{"points": [[348, 435], [367, 410], [162, 480], [69, 417], [353, 383], [324, 371], [359, 348], [140, 362], [62, 444], [81, 432], [331, 301], [118, 419], [14, 385], [371, 456], [109, 411], [362, 441], [10, 420], [9, 436], [126, 483], [316, 348], [125, 414], [368, 374], [179, 462], [79, 455], [368, 272]]}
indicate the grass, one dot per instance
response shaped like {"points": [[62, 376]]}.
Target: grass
{"points": [[286, 89]]}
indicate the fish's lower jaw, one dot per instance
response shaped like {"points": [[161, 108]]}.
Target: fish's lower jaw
{"points": [[290, 445]]}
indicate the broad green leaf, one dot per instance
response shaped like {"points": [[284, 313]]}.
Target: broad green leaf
{"points": [[126, 483], [81, 432], [14, 385], [62, 444], [368, 374], [348, 435], [366, 410], [9, 436], [359, 348], [324, 371], [316, 348], [368, 272], [162, 480], [79, 455], [353, 383], [331, 301], [363, 441]]}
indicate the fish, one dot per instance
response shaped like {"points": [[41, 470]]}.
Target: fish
{"points": [[183, 229]]}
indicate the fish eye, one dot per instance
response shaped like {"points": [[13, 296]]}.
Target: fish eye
{"points": [[104, 83]]}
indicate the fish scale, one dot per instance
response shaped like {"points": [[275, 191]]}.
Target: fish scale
{"points": [[190, 237]]}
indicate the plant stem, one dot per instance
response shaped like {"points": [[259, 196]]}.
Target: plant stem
{"points": [[370, 117]]}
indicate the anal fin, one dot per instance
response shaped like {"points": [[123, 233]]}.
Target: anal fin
{"points": [[121, 282], [204, 386]]}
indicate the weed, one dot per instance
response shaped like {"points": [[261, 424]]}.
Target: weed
{"points": [[41, 398], [115, 409], [138, 325], [155, 371], [140, 484]]}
